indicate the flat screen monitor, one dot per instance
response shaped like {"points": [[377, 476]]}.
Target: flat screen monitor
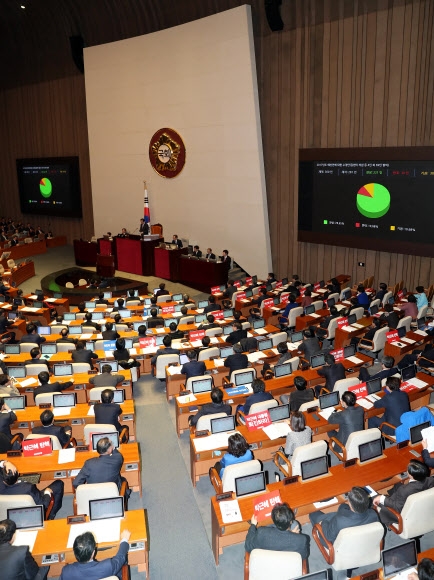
{"points": [[44, 330], [265, 344], [279, 413], [329, 400], [249, 293], [352, 319], [112, 363], [349, 350], [202, 303], [373, 386], [421, 322], [408, 373], [309, 309], [391, 300], [112, 435], [62, 370], [129, 343], [254, 279], [17, 372], [75, 330], [370, 450], [38, 304], [125, 313], [222, 424], [103, 509], [90, 305], [199, 318], [226, 351], [148, 301], [50, 348], [12, 349], [90, 345], [317, 360], [11, 315], [177, 307], [415, 432], [57, 295], [159, 340], [227, 330], [314, 467], [296, 336], [373, 309], [136, 325], [250, 484], [346, 294], [201, 385], [97, 315], [176, 297], [107, 295], [331, 302], [259, 323], [27, 518], [64, 400], [399, 558], [69, 316], [16, 403], [183, 359], [282, 370], [402, 331], [168, 322], [118, 396], [245, 378]]}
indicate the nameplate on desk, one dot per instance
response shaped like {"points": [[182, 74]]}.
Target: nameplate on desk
{"points": [[341, 322], [316, 286], [338, 354], [81, 448], [258, 420], [402, 444], [278, 285], [223, 496], [215, 290], [218, 314], [289, 480], [196, 334], [147, 342], [92, 372], [37, 447], [13, 453], [168, 309], [312, 409], [44, 405], [243, 390], [373, 575], [392, 335], [350, 462], [268, 303], [78, 519], [202, 433]]}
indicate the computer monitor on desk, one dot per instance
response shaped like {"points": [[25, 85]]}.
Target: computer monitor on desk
{"points": [[279, 413], [64, 400], [27, 518], [112, 363], [17, 372], [245, 378], [314, 468], [399, 558], [102, 509], [371, 450], [222, 424], [250, 484], [415, 432], [16, 403], [62, 370], [113, 436], [282, 370], [329, 400], [202, 385]]}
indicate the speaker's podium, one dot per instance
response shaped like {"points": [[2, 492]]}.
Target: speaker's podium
{"points": [[167, 261], [105, 265]]}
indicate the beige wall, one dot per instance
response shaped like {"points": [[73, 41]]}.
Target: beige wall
{"points": [[199, 79]]}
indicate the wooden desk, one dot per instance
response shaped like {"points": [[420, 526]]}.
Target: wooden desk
{"points": [[398, 352], [301, 495], [302, 322], [20, 274], [167, 263], [85, 253], [343, 338], [56, 241], [53, 539], [61, 304], [201, 273], [25, 250], [77, 419], [48, 466]]}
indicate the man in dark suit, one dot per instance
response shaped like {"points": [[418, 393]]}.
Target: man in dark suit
{"points": [[196, 252], [212, 306], [46, 387], [48, 427], [89, 322], [324, 324], [237, 333], [351, 419], [193, 368], [236, 361], [226, 259], [167, 343], [87, 567], [174, 332], [395, 402], [32, 335], [209, 255], [4, 322], [123, 234], [301, 395], [284, 535], [177, 241], [216, 406], [81, 354], [310, 344], [390, 316], [106, 378], [162, 290], [387, 370], [64, 337], [419, 480], [263, 295], [210, 323], [144, 228], [109, 412], [104, 468], [424, 359], [153, 321], [357, 512], [109, 333], [332, 371], [10, 485], [258, 396], [35, 359], [16, 562], [231, 289], [7, 418]]}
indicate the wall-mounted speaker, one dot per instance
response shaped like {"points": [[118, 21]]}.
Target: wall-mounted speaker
{"points": [[272, 11], [77, 46]]}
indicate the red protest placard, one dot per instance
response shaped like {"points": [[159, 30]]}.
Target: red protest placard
{"points": [[302, 291], [342, 321], [248, 280], [400, 294], [241, 295], [36, 447], [316, 286], [279, 284], [268, 303], [359, 390], [407, 387], [284, 298], [237, 283], [392, 335], [215, 290], [148, 341], [338, 354], [168, 309], [264, 504], [218, 314], [258, 420], [196, 334]]}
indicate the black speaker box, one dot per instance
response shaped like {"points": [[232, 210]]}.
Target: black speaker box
{"points": [[272, 11], [77, 45]]}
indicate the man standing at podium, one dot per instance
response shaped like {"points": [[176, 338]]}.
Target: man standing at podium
{"points": [[144, 228], [176, 241]]}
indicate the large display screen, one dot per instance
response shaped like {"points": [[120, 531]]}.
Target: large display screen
{"points": [[50, 186], [378, 199]]}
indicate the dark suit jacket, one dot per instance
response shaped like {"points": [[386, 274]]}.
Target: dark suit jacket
{"points": [[144, 228], [392, 319], [193, 368], [96, 570], [108, 413], [297, 398], [106, 380], [154, 322], [24, 488], [334, 522], [394, 404], [271, 538], [110, 335], [84, 356], [236, 336], [17, 563], [101, 469], [33, 338], [256, 398], [210, 409], [52, 387], [309, 347], [197, 254], [332, 373], [210, 256], [349, 420], [227, 260], [383, 374], [4, 324], [400, 492], [36, 361], [178, 242], [6, 420], [236, 361], [55, 430], [211, 308]]}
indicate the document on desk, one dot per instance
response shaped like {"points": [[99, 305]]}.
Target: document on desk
{"points": [[25, 538], [196, 343], [356, 325], [348, 328], [355, 360], [230, 511], [261, 331], [321, 504], [175, 370], [428, 434], [28, 309], [50, 299], [277, 430], [365, 403], [214, 340], [326, 413], [33, 297], [160, 330], [199, 310], [407, 340], [27, 382], [60, 411], [186, 399], [86, 336], [66, 455], [91, 412], [99, 336], [212, 441], [103, 530], [417, 383], [219, 362], [340, 307], [421, 332], [255, 356], [314, 315], [150, 350]]}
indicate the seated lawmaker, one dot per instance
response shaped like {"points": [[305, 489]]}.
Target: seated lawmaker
{"points": [[48, 427], [332, 371], [106, 378], [238, 452], [236, 361], [109, 412], [81, 354], [193, 368], [284, 535], [109, 333], [102, 469], [162, 290], [301, 395], [167, 349], [350, 419], [362, 297], [196, 252], [237, 333], [310, 344], [216, 406], [154, 320], [35, 359], [209, 255], [300, 434], [395, 402], [212, 306], [46, 387], [259, 395], [16, 561], [409, 308], [31, 335]]}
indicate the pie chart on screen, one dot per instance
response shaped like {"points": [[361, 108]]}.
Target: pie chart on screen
{"points": [[45, 187], [373, 200]]}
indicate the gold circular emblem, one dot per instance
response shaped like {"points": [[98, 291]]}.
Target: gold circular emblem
{"points": [[167, 153]]}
